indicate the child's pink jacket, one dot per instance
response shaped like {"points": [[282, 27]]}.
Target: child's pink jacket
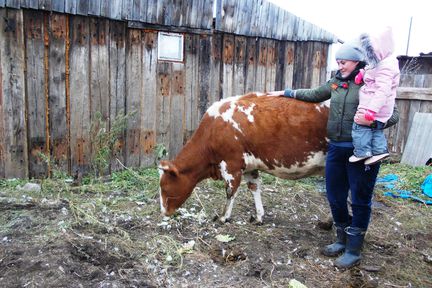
{"points": [[381, 76]]}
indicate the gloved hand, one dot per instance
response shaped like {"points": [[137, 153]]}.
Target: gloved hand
{"points": [[289, 93]]}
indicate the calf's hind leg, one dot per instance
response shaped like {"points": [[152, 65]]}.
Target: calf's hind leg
{"points": [[254, 185]]}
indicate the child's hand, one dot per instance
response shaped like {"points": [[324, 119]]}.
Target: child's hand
{"points": [[360, 118], [370, 115]]}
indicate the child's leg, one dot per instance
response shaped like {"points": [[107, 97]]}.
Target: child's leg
{"points": [[379, 141], [362, 141], [379, 145]]}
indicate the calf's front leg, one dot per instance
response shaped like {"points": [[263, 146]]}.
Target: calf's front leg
{"points": [[232, 179]]}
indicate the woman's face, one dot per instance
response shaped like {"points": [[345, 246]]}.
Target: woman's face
{"points": [[346, 66]]}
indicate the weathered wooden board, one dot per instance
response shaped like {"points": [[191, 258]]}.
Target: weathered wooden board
{"points": [[136, 10], [177, 109], [80, 121], [163, 104], [33, 4], [317, 63], [94, 7], [2, 100], [133, 97], [215, 91], [71, 6], [239, 65], [149, 98], [228, 66], [261, 65], [111, 9], [37, 91], [58, 6], [13, 3], [402, 126], [191, 89], [126, 11], [99, 82], [12, 95], [418, 148], [82, 7], [204, 74], [46, 4], [58, 102], [117, 70], [270, 79], [288, 71], [251, 64]]}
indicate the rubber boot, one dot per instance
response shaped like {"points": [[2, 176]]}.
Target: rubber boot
{"points": [[337, 247], [352, 255]]}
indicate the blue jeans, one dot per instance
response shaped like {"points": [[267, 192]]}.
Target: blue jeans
{"points": [[369, 141], [342, 176]]}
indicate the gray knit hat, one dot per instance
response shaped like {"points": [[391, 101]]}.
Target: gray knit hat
{"points": [[349, 51]]}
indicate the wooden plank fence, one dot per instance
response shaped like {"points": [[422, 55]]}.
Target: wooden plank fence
{"points": [[409, 101], [60, 72], [416, 80]]}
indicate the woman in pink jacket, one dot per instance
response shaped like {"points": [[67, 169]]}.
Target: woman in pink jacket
{"points": [[376, 97]]}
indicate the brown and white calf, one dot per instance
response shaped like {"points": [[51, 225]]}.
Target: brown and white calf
{"points": [[243, 135]]}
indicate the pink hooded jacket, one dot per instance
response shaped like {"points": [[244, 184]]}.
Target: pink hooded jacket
{"points": [[381, 76]]}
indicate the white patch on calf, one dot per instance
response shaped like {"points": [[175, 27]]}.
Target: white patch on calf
{"points": [[227, 115], [213, 110], [248, 112], [163, 210], [161, 171], [225, 175], [315, 160], [253, 163]]}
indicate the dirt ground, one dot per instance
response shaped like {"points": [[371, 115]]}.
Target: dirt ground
{"points": [[112, 236]]}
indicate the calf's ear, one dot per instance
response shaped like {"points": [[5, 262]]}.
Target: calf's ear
{"points": [[168, 167]]}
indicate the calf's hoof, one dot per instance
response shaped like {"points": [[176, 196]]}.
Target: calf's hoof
{"points": [[255, 221], [221, 219]]}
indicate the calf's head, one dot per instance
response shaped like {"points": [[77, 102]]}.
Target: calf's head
{"points": [[175, 187]]}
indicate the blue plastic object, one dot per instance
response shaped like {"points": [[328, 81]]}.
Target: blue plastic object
{"points": [[390, 181], [387, 178], [427, 186], [404, 194]]}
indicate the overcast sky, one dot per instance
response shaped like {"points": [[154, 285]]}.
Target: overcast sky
{"points": [[348, 19]]}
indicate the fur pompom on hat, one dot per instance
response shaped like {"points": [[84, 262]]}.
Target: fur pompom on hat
{"points": [[349, 51]]}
